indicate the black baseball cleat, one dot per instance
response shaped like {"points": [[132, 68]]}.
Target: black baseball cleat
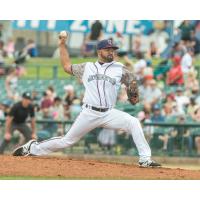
{"points": [[149, 163], [23, 150]]}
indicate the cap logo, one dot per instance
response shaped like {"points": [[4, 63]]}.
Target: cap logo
{"points": [[110, 42]]}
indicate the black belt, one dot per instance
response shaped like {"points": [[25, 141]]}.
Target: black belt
{"points": [[97, 109]]}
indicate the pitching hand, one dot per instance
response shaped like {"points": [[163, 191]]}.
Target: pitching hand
{"points": [[62, 38]]}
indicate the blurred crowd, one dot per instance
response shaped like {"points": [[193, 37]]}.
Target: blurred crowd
{"points": [[169, 89]]}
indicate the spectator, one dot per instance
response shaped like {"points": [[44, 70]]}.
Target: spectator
{"points": [[96, 31], [153, 51], [195, 42], [191, 107], [182, 101], [148, 72], [89, 43], [186, 61], [156, 93], [149, 92], [10, 48], [145, 91], [191, 84], [178, 49], [140, 66], [58, 110], [69, 95], [186, 29], [51, 93], [170, 110], [31, 48], [160, 72], [11, 84], [157, 116], [160, 36], [175, 74], [170, 104], [137, 45], [16, 120], [46, 101]]}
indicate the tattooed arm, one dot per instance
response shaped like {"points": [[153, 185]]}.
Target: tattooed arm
{"points": [[78, 70], [130, 81], [75, 69]]}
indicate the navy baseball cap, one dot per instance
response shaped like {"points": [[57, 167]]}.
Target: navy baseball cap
{"points": [[105, 44], [27, 95], [156, 107]]}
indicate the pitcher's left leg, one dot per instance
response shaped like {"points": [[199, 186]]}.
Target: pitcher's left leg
{"points": [[117, 119]]}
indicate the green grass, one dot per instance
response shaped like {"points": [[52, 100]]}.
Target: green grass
{"points": [[46, 66]]}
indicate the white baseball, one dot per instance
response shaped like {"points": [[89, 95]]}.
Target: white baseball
{"points": [[63, 34]]}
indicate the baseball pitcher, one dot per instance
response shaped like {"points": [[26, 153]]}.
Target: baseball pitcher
{"points": [[101, 80]]}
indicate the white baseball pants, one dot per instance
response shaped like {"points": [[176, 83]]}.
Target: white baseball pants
{"points": [[89, 119]]}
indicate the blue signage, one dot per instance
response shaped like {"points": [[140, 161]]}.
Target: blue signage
{"points": [[110, 26]]}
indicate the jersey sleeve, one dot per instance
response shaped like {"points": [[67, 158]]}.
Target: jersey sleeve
{"points": [[78, 70], [127, 77]]}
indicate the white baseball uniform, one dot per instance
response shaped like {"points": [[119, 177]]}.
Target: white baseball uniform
{"points": [[101, 82]]}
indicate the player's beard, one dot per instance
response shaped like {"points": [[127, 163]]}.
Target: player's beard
{"points": [[108, 58]]}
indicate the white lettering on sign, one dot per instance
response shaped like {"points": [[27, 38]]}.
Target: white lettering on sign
{"points": [[77, 26], [21, 23], [35, 23], [130, 27], [51, 24], [117, 25]]}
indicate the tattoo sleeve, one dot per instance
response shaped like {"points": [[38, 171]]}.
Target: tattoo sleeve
{"points": [[78, 69]]}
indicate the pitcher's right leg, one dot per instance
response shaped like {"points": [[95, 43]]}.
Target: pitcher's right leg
{"points": [[83, 124]]}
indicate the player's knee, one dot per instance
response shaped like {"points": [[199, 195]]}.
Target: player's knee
{"points": [[67, 141], [131, 121]]}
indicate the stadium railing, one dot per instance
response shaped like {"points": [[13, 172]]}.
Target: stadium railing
{"points": [[179, 145]]}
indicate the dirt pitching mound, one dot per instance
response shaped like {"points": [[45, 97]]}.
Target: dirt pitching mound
{"points": [[73, 168]]}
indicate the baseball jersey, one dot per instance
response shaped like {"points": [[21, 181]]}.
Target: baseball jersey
{"points": [[101, 82]]}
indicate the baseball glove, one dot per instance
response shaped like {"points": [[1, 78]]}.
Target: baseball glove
{"points": [[133, 93]]}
